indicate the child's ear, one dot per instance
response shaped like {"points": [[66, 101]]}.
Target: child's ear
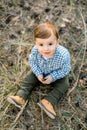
{"points": [[58, 41]]}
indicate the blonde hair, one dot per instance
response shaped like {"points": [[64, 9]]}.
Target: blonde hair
{"points": [[45, 30]]}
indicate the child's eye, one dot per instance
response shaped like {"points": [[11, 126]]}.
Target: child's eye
{"points": [[41, 44], [50, 44]]}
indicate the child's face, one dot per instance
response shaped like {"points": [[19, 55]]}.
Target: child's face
{"points": [[46, 47]]}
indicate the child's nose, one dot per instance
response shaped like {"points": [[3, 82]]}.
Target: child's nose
{"points": [[46, 48]]}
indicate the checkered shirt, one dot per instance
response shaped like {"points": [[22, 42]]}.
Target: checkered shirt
{"points": [[58, 66]]}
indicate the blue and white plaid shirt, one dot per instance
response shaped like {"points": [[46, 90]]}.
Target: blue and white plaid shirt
{"points": [[58, 66]]}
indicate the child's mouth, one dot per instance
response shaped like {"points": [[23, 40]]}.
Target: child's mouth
{"points": [[46, 53]]}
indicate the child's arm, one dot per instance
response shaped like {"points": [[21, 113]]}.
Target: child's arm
{"points": [[64, 66], [33, 62], [61, 72]]}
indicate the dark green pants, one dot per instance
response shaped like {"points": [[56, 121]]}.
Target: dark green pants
{"points": [[60, 86]]}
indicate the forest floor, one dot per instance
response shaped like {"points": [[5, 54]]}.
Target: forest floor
{"points": [[17, 21]]}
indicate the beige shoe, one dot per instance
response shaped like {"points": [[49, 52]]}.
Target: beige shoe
{"points": [[16, 100], [48, 108]]}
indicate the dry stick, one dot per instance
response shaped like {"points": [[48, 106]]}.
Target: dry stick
{"points": [[42, 119], [83, 53], [18, 116], [79, 120], [77, 117], [4, 113]]}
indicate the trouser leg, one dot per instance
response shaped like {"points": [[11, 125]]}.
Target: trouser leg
{"points": [[59, 88], [29, 83]]}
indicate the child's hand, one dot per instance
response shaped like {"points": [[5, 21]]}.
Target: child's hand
{"points": [[40, 78], [47, 80]]}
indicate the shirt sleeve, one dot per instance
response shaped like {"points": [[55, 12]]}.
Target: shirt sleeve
{"points": [[63, 70], [33, 62]]}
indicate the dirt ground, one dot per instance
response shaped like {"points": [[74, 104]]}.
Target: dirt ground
{"points": [[17, 21]]}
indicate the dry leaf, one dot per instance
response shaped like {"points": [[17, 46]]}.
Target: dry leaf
{"points": [[15, 18], [66, 20], [62, 25], [19, 49]]}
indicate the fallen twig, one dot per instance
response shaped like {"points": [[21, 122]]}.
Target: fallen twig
{"points": [[18, 116], [84, 53]]}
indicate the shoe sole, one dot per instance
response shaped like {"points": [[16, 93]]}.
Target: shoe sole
{"points": [[51, 115], [12, 101]]}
